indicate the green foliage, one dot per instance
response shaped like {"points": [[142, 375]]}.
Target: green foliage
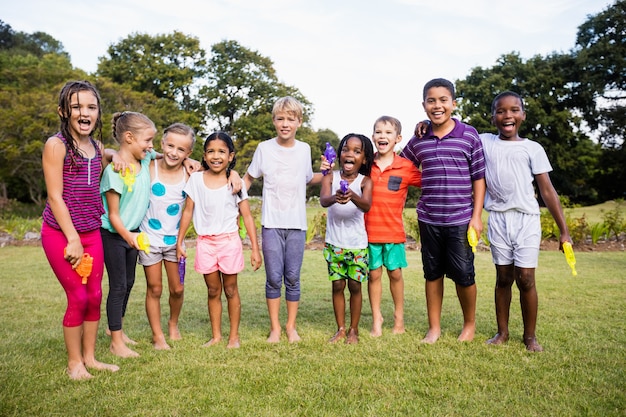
{"points": [[317, 228], [18, 226], [411, 226], [597, 232], [578, 228], [614, 220]]}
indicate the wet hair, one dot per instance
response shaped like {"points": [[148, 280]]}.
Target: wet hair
{"points": [[368, 148], [439, 82], [223, 136], [130, 121], [392, 121], [503, 94], [65, 106], [180, 129], [289, 105]]}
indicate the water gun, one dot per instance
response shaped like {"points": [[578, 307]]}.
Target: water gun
{"points": [[128, 176], [472, 238], [85, 267], [182, 263], [330, 156], [344, 185], [143, 242], [569, 257]]}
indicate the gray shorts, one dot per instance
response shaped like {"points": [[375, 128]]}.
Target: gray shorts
{"points": [[514, 238], [157, 254]]}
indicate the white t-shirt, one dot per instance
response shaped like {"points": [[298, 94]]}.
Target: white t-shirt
{"points": [[511, 167], [215, 211], [285, 172], [345, 223]]}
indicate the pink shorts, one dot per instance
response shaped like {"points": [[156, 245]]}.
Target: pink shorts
{"points": [[219, 252]]}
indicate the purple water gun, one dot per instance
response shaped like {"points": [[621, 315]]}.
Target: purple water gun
{"points": [[343, 185], [181, 269], [330, 156]]}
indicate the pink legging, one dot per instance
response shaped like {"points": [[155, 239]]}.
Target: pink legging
{"points": [[83, 300]]}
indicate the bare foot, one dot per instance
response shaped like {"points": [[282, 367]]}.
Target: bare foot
{"points": [[398, 327], [353, 337], [467, 334], [159, 343], [102, 366], [123, 351], [293, 336], [377, 328], [213, 341], [173, 331], [127, 339], [78, 372], [532, 345], [498, 339], [341, 334], [274, 336], [431, 337], [233, 344]]}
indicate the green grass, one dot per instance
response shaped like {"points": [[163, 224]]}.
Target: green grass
{"points": [[581, 326]]}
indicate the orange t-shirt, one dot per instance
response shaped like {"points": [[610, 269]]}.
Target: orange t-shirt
{"points": [[383, 221]]}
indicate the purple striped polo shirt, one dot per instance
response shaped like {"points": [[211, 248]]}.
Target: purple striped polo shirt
{"points": [[449, 165], [81, 191]]}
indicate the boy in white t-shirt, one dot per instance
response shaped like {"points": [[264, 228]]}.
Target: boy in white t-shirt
{"points": [[285, 165]]}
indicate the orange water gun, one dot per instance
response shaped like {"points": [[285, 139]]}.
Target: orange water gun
{"points": [[84, 268]]}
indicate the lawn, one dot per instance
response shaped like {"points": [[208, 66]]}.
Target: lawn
{"points": [[581, 325]]}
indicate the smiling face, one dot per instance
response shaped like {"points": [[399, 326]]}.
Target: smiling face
{"points": [[141, 141], [217, 155], [351, 157], [286, 125], [508, 115], [385, 137], [439, 105], [84, 111], [176, 148]]}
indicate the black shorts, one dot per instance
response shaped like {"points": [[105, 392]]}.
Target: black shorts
{"points": [[446, 251]]}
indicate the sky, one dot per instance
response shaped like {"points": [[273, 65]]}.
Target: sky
{"points": [[355, 60]]}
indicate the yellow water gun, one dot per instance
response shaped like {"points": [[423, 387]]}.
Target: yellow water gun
{"points": [[143, 242], [472, 238], [128, 176], [569, 257]]}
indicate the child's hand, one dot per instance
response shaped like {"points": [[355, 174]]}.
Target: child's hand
{"points": [[73, 253], [234, 182], [180, 251], [343, 198], [256, 260], [119, 165], [132, 241], [191, 165], [325, 166], [421, 128]]}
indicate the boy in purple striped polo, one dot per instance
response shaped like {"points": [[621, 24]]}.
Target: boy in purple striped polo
{"points": [[450, 155]]}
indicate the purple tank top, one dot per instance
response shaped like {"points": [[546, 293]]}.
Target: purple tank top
{"points": [[81, 191]]}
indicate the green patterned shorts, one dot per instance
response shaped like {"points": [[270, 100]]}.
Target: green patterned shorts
{"points": [[347, 263]]}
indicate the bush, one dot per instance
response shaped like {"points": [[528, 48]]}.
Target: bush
{"points": [[614, 220]]}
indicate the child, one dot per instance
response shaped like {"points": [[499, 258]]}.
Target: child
{"points": [[125, 206], [72, 162], [453, 191], [391, 177], [514, 228], [161, 224], [346, 239], [219, 251], [285, 165]]}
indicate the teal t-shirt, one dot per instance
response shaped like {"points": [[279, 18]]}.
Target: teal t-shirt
{"points": [[133, 204]]}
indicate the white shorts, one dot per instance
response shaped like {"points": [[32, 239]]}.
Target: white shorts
{"points": [[514, 238]]}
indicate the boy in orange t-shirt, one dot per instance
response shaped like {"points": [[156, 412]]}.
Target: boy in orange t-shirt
{"points": [[391, 175]]}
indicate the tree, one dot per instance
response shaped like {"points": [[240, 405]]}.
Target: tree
{"points": [[167, 66], [550, 120], [242, 83]]}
